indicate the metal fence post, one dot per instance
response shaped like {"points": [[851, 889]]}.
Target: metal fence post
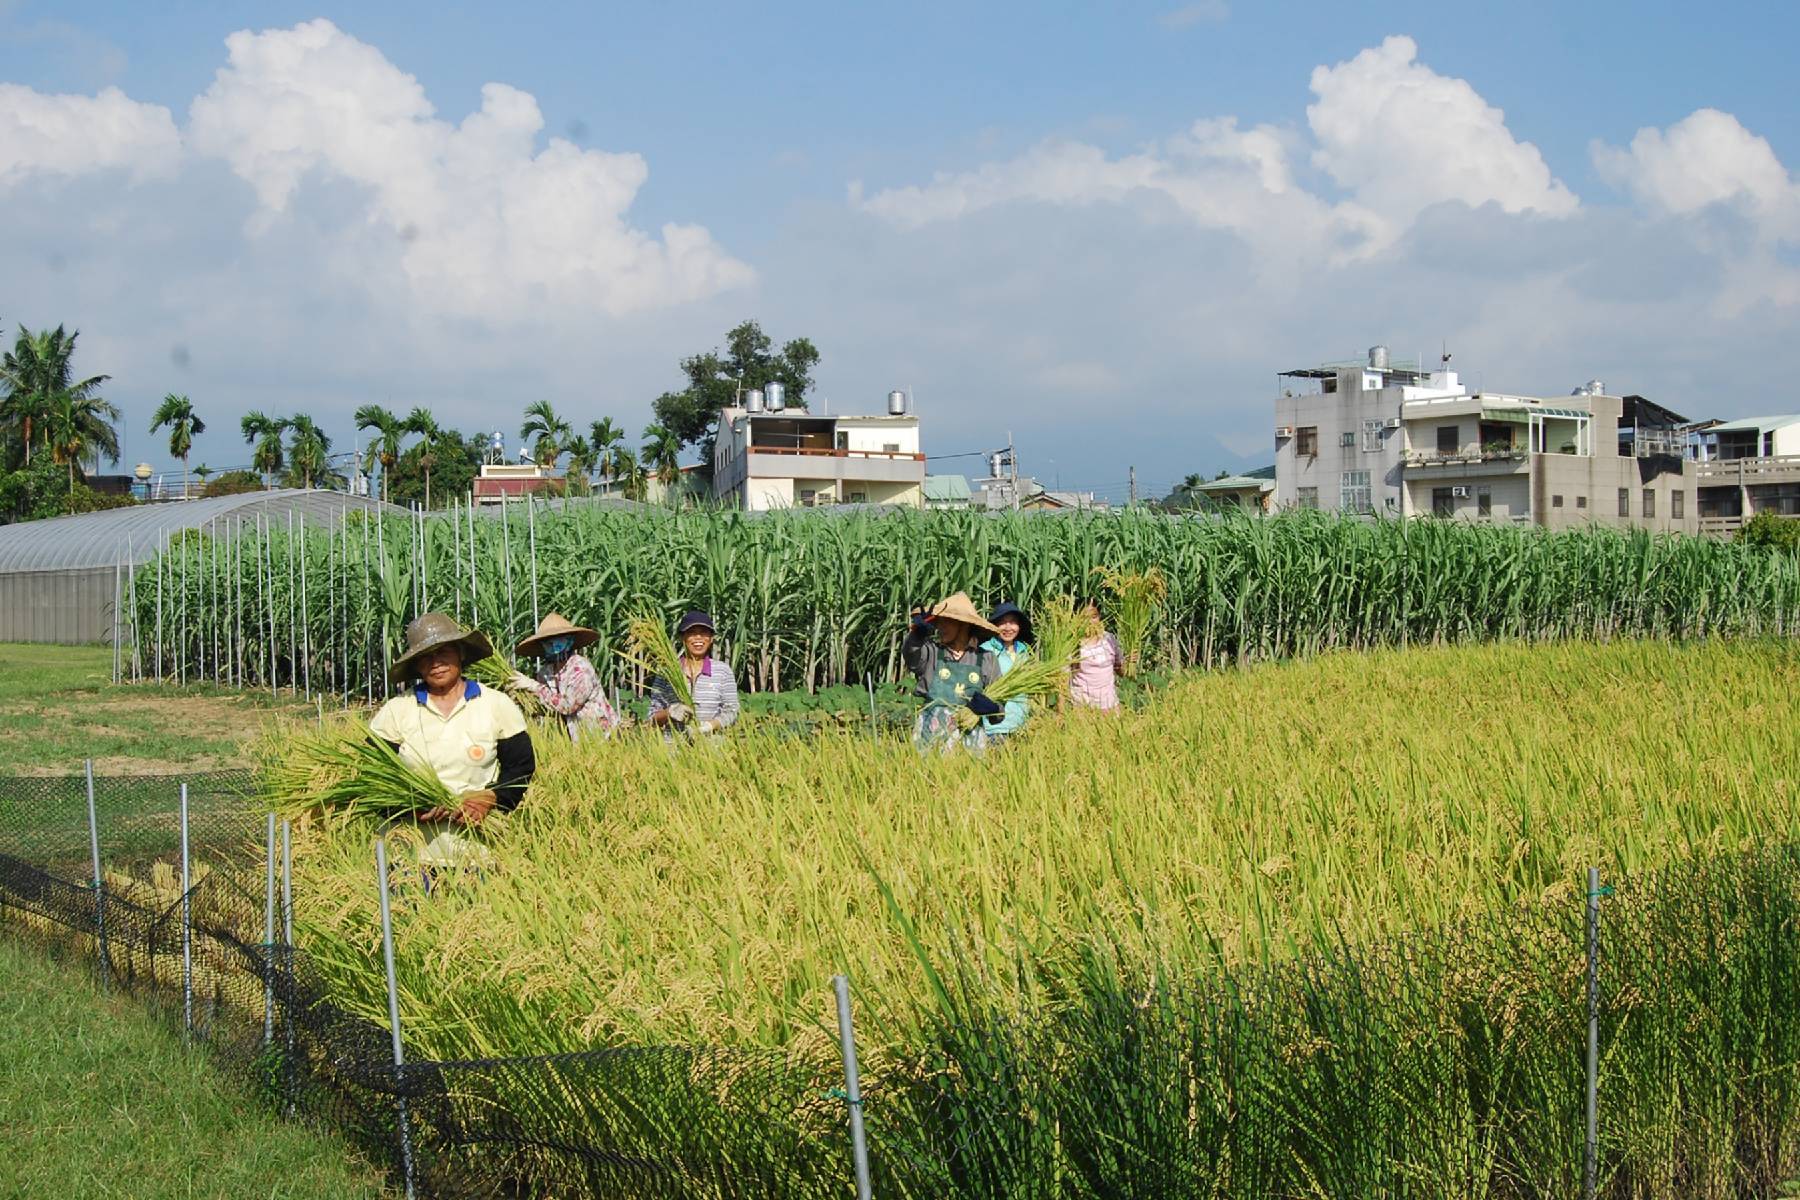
{"points": [[1590, 1163], [393, 999], [99, 883], [269, 939], [187, 925], [874, 728], [287, 944], [859, 1148]]}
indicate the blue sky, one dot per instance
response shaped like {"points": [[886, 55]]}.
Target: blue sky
{"points": [[1010, 208]]}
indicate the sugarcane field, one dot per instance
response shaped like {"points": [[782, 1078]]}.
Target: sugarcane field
{"points": [[953, 602]]}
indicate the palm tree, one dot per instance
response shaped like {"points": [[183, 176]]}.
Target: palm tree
{"points": [[662, 451], [607, 437], [550, 430], [203, 471], [309, 451], [264, 433], [421, 422], [177, 412], [581, 461], [625, 463], [390, 431], [35, 372], [78, 428]]}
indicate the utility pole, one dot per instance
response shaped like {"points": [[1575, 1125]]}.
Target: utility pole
{"points": [[1012, 465], [1133, 471]]}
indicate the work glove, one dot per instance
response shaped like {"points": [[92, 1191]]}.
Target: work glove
{"points": [[921, 617], [981, 705], [708, 727], [680, 713], [522, 682]]}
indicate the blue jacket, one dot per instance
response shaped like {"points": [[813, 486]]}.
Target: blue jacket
{"points": [[1017, 709]]}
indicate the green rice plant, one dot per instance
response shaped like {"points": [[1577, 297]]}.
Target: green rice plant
{"points": [[342, 770]]}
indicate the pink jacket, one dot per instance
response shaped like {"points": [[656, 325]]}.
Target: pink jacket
{"points": [[1093, 681]]}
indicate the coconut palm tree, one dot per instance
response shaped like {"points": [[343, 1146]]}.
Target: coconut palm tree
{"points": [[34, 373], [582, 458], [662, 455], [78, 428], [421, 422], [550, 430], [264, 433], [309, 452], [390, 431], [177, 412], [629, 473], [607, 437]]}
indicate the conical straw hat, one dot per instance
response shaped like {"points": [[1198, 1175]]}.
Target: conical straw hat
{"points": [[959, 607], [557, 625]]}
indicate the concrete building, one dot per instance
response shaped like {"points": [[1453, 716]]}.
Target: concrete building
{"points": [[768, 456], [1746, 467], [1252, 493], [1374, 436]]}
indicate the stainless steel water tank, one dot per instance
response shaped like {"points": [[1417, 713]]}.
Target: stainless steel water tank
{"points": [[896, 404], [753, 400], [1378, 358], [777, 395]]}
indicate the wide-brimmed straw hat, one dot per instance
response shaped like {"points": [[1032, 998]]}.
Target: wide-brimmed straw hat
{"points": [[435, 629], [557, 625], [960, 608]]}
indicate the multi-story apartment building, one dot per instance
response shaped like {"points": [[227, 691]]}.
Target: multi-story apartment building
{"points": [[1381, 437], [1746, 467], [770, 456]]}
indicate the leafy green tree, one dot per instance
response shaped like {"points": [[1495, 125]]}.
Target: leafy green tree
{"points": [[390, 434], [582, 459], [232, 483], [551, 432], [35, 372], [715, 381], [1771, 529], [607, 437], [263, 433], [662, 456], [455, 460], [177, 413], [630, 474], [79, 429], [309, 454], [434, 443], [44, 489]]}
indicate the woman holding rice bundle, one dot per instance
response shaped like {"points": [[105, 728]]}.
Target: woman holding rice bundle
{"points": [[1094, 682], [1010, 644], [472, 738], [567, 682], [952, 670], [709, 681]]}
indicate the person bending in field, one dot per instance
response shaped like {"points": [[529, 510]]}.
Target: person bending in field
{"points": [[951, 670], [1094, 681], [566, 682], [472, 738], [1010, 644], [709, 680]]}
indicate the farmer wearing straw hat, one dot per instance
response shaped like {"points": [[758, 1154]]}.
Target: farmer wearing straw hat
{"points": [[473, 738], [709, 680], [567, 682], [943, 653]]}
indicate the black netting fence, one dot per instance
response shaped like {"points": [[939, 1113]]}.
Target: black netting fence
{"points": [[1437, 1065]]}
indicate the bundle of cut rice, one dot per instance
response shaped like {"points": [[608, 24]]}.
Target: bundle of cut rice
{"points": [[496, 672], [344, 770], [649, 647]]}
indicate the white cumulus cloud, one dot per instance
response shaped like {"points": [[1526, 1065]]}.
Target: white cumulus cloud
{"points": [[72, 135], [1706, 158]]}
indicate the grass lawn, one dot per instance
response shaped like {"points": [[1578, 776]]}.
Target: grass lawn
{"points": [[58, 707], [98, 1099]]}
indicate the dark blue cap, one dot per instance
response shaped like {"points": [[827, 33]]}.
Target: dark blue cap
{"points": [[1009, 609], [695, 620]]}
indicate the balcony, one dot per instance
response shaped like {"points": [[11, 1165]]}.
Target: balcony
{"points": [[1745, 472], [871, 466], [1493, 458]]}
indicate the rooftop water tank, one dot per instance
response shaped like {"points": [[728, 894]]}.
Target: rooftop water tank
{"points": [[1378, 358], [896, 404], [777, 394], [753, 400]]}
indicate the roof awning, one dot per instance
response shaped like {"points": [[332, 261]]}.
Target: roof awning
{"points": [[1522, 416]]}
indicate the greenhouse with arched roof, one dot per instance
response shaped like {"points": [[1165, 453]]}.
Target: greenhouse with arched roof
{"points": [[60, 579]]}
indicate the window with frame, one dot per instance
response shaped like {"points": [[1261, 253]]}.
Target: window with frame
{"points": [[1308, 497], [1443, 504], [1306, 441], [1484, 501], [891, 447], [1624, 502], [1677, 504], [858, 498], [1649, 502], [1353, 492], [1449, 439], [1556, 502], [1371, 437], [1581, 502], [1347, 438]]}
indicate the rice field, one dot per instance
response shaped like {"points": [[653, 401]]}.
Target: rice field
{"points": [[815, 599]]}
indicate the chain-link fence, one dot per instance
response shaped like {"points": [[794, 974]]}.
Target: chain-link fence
{"points": [[1443, 1064]]}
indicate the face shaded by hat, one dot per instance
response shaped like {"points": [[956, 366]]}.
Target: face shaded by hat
{"points": [[694, 620], [1009, 609], [554, 626], [433, 631]]}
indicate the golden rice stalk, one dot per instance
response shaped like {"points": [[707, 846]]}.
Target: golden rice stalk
{"points": [[1137, 599], [649, 647], [343, 769], [496, 672]]}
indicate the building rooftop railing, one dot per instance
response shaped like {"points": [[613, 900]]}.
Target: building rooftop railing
{"points": [[1470, 455], [1763, 469], [837, 453]]}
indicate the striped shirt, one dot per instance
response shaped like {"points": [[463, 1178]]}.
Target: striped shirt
{"points": [[715, 693]]}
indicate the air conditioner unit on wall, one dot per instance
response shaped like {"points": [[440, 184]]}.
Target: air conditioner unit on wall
{"points": [[1284, 431], [1459, 491], [1392, 423]]}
